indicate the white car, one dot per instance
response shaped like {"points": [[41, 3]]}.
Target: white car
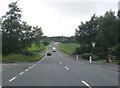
{"points": [[54, 49]]}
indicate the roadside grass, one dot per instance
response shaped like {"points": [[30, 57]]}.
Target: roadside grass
{"points": [[114, 62], [68, 48], [100, 59], [12, 58]]}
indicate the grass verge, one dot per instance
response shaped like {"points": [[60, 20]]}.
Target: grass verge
{"points": [[68, 48], [12, 58]]}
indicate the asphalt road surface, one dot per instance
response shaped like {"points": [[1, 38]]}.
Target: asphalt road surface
{"points": [[58, 70]]}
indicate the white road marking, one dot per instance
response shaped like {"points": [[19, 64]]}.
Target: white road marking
{"points": [[26, 70], [67, 68], [12, 79], [86, 84], [21, 73], [60, 63], [33, 65], [42, 59], [0, 86]]}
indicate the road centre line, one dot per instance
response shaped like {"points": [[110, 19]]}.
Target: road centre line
{"points": [[60, 62], [86, 84], [66, 68], [12, 79], [21, 73], [26, 70]]}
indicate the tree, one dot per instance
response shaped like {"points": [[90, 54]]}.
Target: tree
{"points": [[11, 29], [17, 35], [107, 36], [86, 32], [104, 30]]}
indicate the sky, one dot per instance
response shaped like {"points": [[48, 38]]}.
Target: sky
{"points": [[60, 17]]}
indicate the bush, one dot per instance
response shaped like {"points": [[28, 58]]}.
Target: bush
{"points": [[83, 49], [86, 55], [115, 50], [28, 53]]}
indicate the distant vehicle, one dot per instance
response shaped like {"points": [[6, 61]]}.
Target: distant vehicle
{"points": [[50, 46], [48, 54], [54, 49]]}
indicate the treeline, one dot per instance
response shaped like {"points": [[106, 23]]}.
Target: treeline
{"points": [[62, 39], [17, 35], [104, 31]]}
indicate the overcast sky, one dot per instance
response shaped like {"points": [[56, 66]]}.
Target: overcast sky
{"points": [[60, 17]]}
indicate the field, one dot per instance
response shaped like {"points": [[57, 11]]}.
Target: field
{"points": [[68, 48]]}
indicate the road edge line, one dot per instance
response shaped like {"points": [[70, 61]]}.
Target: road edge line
{"points": [[85, 83], [12, 79]]}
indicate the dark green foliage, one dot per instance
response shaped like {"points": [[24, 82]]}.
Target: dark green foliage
{"points": [[103, 30], [83, 49], [86, 55], [27, 53], [68, 40], [116, 50], [17, 35], [62, 39], [45, 42]]}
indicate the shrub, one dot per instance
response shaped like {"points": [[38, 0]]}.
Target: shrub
{"points": [[115, 50], [28, 53], [83, 49], [86, 55]]}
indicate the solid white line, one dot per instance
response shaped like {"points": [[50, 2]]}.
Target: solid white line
{"points": [[12, 79], [21, 73], [67, 68], [26, 70], [41, 59], [86, 84]]}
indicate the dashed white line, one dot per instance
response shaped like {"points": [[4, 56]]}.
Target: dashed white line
{"points": [[26, 70], [30, 67], [67, 68], [86, 84], [0, 86], [21, 73], [12, 79], [60, 62]]}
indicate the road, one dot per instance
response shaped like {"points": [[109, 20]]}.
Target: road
{"points": [[58, 70]]}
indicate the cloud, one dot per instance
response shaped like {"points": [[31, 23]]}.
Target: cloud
{"points": [[60, 17]]}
